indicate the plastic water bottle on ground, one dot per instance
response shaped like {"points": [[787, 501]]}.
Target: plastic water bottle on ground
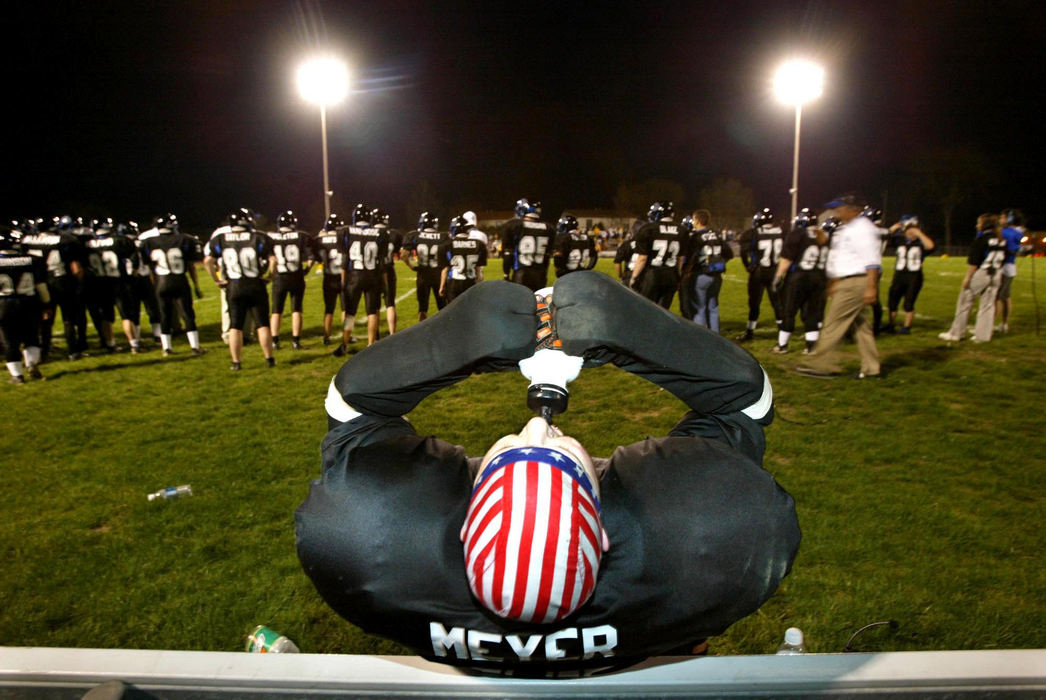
{"points": [[172, 492], [793, 643], [263, 640]]}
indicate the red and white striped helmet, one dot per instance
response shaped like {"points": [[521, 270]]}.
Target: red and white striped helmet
{"points": [[532, 535]]}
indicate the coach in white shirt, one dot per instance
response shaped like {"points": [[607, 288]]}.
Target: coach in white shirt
{"points": [[853, 269]]}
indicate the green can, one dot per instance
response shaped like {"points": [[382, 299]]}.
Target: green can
{"points": [[263, 640]]}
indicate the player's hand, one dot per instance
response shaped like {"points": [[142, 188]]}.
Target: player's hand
{"points": [[222, 284]]}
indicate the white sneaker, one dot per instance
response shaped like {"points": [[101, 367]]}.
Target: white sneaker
{"points": [[948, 336]]}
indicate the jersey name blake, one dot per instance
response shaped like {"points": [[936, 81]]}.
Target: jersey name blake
{"points": [[565, 644]]}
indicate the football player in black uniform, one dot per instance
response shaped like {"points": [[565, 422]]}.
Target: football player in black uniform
{"points": [[659, 250], [876, 217], [670, 540], [380, 217], [172, 257], [800, 276], [525, 243], [706, 258], [293, 250], [760, 253], [140, 291], [422, 248], [462, 259], [327, 250], [65, 257], [248, 262], [364, 248], [625, 255], [912, 246], [23, 300], [572, 250], [112, 260]]}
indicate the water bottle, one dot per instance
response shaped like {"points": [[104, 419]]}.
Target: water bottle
{"points": [[793, 644], [263, 640], [172, 492]]}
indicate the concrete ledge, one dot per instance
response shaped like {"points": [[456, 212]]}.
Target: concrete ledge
{"points": [[54, 673]]}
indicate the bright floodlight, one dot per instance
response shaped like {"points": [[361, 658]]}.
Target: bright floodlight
{"points": [[323, 81], [798, 81]]}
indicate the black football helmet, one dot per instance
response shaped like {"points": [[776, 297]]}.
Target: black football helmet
{"points": [[830, 224], [166, 221], [661, 210], [763, 218], [379, 216], [909, 220], [360, 215], [804, 218], [287, 219], [101, 226], [428, 221], [242, 218], [332, 223], [566, 223], [873, 214], [459, 225], [64, 223], [525, 207], [687, 224]]}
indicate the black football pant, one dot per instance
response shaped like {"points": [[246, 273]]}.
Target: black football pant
{"points": [[804, 293], [19, 325], [69, 299], [759, 280]]}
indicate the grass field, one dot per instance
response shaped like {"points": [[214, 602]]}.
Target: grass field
{"points": [[919, 495]]}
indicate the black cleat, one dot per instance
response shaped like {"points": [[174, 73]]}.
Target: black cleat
{"points": [[270, 361], [199, 351], [340, 350], [746, 336], [235, 367]]}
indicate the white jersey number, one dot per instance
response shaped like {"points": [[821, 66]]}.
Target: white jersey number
{"points": [[168, 262], [24, 287]]}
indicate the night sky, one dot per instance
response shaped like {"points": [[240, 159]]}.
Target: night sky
{"points": [[130, 109]]}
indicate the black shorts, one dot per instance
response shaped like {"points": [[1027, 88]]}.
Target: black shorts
{"points": [[456, 288], [906, 286], [803, 293], [127, 302], [428, 281], [388, 287], [292, 284], [659, 285], [362, 283], [101, 297], [19, 325], [331, 292], [247, 295], [533, 278]]}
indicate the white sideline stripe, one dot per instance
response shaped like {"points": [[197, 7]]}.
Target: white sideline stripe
{"points": [[336, 406], [36, 670], [761, 407]]}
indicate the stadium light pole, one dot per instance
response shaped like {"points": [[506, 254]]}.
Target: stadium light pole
{"points": [[324, 81], [797, 82]]}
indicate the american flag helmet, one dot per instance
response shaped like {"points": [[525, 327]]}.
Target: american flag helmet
{"points": [[532, 535]]}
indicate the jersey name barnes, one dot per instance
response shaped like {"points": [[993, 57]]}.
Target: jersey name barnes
{"points": [[571, 643]]}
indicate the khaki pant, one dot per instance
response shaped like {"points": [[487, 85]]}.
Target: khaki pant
{"points": [[985, 286], [846, 307]]}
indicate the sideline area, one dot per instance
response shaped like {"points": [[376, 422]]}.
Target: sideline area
{"points": [[37, 672]]}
